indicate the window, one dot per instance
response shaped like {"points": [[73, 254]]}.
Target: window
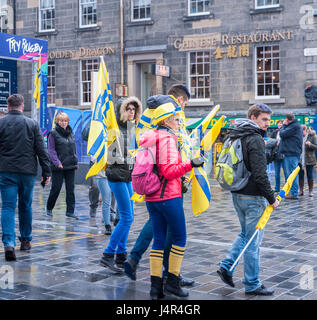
{"points": [[141, 9], [266, 3], [268, 71], [47, 15], [198, 7], [51, 90], [199, 74], [87, 66], [88, 13]]}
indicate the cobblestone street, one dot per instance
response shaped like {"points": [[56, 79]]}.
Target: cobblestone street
{"points": [[64, 260]]}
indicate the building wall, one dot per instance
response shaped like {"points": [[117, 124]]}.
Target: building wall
{"points": [[231, 79]]}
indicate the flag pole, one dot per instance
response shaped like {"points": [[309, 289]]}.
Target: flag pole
{"points": [[33, 104], [245, 248]]}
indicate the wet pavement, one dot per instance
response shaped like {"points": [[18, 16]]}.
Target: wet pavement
{"points": [[63, 263]]}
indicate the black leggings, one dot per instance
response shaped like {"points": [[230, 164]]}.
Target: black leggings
{"points": [[57, 182]]}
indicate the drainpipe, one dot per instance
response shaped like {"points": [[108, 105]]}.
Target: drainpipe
{"points": [[121, 41], [14, 16]]}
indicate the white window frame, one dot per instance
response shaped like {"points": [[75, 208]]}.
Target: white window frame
{"points": [[81, 25], [51, 75], [266, 5], [197, 13], [257, 97], [189, 77], [40, 16], [82, 103], [140, 19]]}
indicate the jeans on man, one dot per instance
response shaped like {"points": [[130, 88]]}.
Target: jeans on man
{"points": [[277, 171], [249, 210], [15, 186], [289, 164]]}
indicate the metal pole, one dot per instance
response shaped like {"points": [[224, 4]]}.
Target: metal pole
{"points": [[33, 104], [245, 248]]}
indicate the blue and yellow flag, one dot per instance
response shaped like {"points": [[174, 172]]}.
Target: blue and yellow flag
{"points": [[201, 195], [103, 126], [37, 85]]}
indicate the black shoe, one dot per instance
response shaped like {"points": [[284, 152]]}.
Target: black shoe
{"points": [[261, 291], [92, 212], [10, 254], [25, 245], [120, 258], [173, 286], [225, 277], [107, 261], [130, 268], [108, 229], [71, 215], [185, 282], [156, 288]]}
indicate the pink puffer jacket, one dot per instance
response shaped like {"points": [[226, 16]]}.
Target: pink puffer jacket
{"points": [[168, 161]]}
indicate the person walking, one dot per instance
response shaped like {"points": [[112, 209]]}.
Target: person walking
{"points": [[251, 201], [165, 206], [21, 146], [119, 179], [178, 95], [291, 146], [279, 156], [62, 152], [307, 160]]}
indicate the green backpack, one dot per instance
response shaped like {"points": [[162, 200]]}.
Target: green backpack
{"points": [[231, 172]]}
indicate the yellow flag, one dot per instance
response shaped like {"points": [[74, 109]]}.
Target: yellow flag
{"points": [[103, 126], [37, 85], [285, 190]]}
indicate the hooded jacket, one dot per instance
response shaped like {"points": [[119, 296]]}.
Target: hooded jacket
{"points": [[168, 161], [120, 163], [254, 157]]}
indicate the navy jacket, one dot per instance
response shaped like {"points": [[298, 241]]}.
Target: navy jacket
{"points": [[21, 145], [291, 139]]}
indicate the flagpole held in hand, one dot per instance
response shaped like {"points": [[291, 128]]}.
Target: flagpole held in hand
{"points": [[267, 212]]}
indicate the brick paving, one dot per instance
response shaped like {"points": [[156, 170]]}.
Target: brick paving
{"points": [[63, 263]]}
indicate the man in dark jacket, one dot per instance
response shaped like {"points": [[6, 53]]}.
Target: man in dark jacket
{"points": [[291, 146], [21, 145], [251, 201]]}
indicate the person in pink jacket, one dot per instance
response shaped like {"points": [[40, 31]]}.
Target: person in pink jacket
{"points": [[166, 206]]}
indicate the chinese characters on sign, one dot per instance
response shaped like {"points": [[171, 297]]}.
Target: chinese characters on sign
{"points": [[232, 51]]}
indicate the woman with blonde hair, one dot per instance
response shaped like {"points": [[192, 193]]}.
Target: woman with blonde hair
{"points": [[62, 152]]}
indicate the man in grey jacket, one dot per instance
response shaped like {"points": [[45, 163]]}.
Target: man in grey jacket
{"points": [[21, 146]]}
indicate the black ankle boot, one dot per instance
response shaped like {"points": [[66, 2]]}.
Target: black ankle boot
{"points": [[173, 286], [156, 288]]}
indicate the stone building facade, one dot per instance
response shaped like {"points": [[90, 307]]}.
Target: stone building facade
{"points": [[233, 53]]}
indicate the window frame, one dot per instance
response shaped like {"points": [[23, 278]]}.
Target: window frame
{"points": [[266, 6], [82, 103], [40, 18], [81, 25], [140, 19], [264, 97], [197, 13], [51, 76], [189, 77]]}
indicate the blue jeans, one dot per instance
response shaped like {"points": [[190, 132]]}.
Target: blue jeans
{"points": [[105, 192], [277, 170], [15, 186], [249, 210], [167, 213], [289, 164], [123, 192], [143, 241]]}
